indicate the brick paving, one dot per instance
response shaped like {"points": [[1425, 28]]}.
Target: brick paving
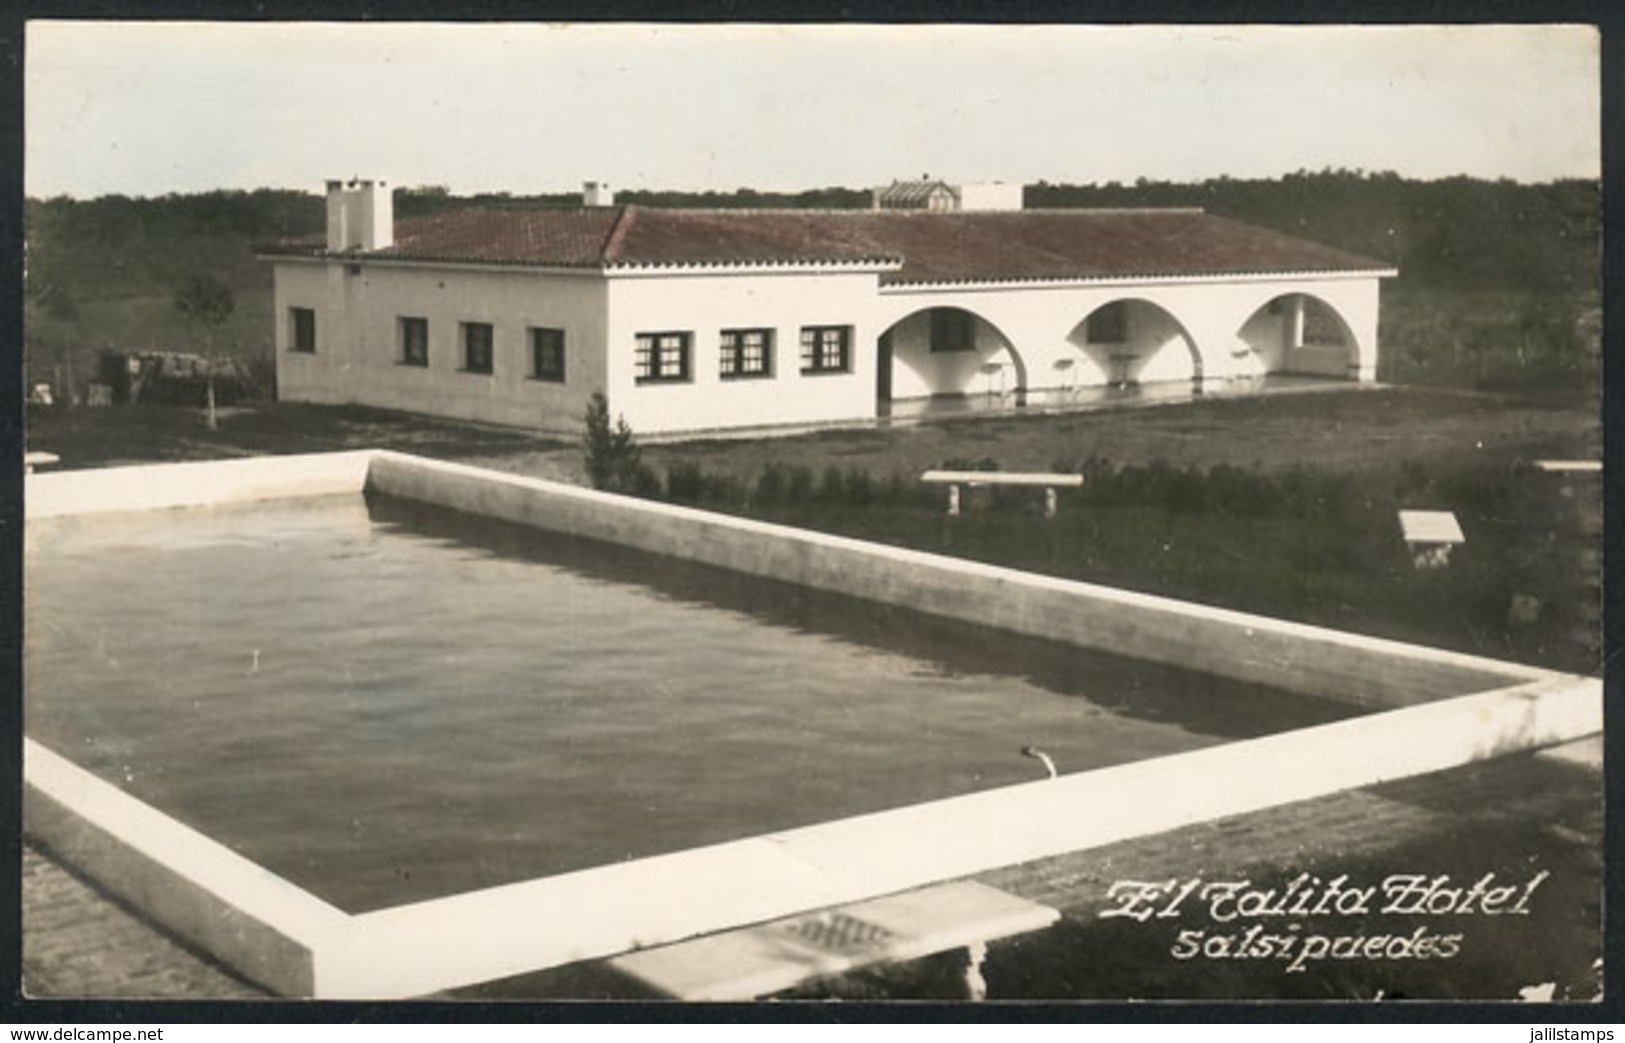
{"points": [[1516, 817], [78, 943], [1485, 815], [1522, 794]]}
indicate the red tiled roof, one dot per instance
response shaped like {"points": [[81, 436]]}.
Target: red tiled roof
{"points": [[920, 247], [658, 237], [564, 238], [1029, 245]]}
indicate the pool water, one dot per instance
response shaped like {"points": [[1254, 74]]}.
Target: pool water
{"points": [[385, 702]]}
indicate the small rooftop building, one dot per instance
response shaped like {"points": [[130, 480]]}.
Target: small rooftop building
{"points": [[924, 194], [940, 196], [695, 320]]}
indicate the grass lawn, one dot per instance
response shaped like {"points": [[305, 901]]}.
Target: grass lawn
{"points": [[155, 433], [1341, 429]]}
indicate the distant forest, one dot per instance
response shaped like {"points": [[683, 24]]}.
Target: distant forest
{"points": [[1499, 282]]}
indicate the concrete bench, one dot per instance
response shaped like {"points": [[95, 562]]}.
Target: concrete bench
{"points": [[769, 958], [1430, 535], [1050, 482], [33, 460], [1570, 466]]}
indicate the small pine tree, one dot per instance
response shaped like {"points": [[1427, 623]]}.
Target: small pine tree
{"points": [[614, 461]]}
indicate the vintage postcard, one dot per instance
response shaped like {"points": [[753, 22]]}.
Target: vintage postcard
{"points": [[634, 512]]}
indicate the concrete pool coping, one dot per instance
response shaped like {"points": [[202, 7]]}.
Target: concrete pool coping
{"points": [[280, 935]]}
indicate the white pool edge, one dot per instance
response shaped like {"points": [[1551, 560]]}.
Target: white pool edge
{"points": [[264, 927], [1241, 646], [211, 483], [279, 935]]}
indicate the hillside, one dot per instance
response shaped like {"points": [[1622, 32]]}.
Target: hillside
{"points": [[1499, 282], [103, 274]]}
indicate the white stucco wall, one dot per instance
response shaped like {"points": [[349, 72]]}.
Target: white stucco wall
{"points": [[917, 371], [990, 195], [1219, 316], [1034, 333], [1276, 336], [705, 304], [358, 353], [1268, 335], [1155, 347]]}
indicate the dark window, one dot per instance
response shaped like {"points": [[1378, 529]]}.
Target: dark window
{"points": [[747, 353], [303, 329], [477, 347], [547, 354], [1320, 326], [661, 358], [1108, 324], [826, 349], [952, 330], [415, 342]]}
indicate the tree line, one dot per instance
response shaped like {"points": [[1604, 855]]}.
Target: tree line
{"points": [[1498, 279], [1457, 232], [1454, 233]]}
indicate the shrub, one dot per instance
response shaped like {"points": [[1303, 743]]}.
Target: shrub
{"points": [[771, 485], [798, 485], [685, 483], [832, 487], [614, 461], [965, 463], [860, 490]]}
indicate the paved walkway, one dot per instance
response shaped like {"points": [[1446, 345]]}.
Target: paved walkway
{"points": [[982, 401], [1514, 815], [79, 943]]}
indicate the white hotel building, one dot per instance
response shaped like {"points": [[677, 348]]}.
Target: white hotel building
{"points": [[696, 320]]}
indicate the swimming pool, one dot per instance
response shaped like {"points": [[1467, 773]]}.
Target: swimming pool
{"points": [[366, 747], [458, 703]]}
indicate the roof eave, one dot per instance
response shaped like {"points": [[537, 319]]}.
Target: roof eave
{"points": [[788, 265], [1262, 275], [429, 261]]}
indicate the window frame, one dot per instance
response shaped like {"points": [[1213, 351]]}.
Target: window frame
{"points": [[301, 320], [815, 348], [650, 353], [547, 374], [1107, 324], [469, 344], [418, 359], [953, 331], [1321, 326], [733, 358]]}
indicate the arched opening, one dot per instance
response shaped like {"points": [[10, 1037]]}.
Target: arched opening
{"points": [[1128, 342], [947, 351], [1297, 333]]}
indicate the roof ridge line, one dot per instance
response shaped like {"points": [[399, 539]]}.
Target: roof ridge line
{"points": [[756, 209], [617, 234], [1193, 209]]}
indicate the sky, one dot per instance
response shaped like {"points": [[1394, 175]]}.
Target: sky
{"points": [[150, 108]]}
